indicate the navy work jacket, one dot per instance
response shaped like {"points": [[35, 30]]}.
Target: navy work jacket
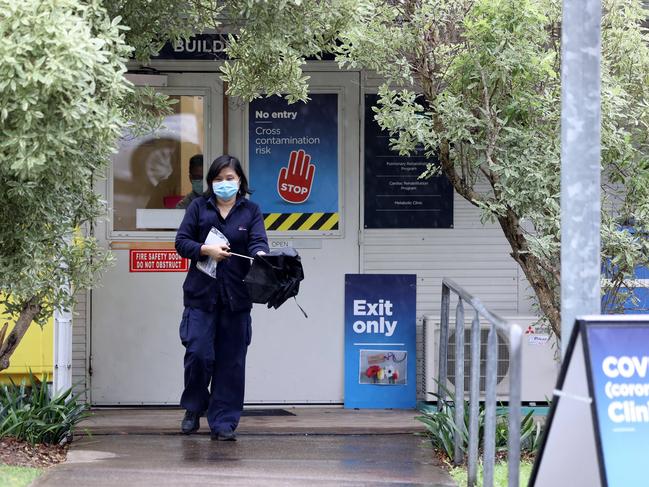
{"points": [[244, 229]]}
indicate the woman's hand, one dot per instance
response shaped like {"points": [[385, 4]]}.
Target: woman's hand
{"points": [[217, 252]]}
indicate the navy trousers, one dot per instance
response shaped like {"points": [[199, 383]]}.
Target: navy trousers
{"points": [[216, 344]]}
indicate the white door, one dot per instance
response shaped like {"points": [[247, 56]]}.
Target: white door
{"points": [[136, 355], [293, 359]]}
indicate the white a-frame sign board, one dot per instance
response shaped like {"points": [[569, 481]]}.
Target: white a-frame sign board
{"points": [[597, 432]]}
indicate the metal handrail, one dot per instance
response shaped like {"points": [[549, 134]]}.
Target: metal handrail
{"points": [[514, 336]]}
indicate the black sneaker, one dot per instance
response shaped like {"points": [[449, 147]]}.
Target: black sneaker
{"points": [[223, 436], [190, 423]]}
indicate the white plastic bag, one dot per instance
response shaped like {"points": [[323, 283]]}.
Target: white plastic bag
{"points": [[208, 266]]}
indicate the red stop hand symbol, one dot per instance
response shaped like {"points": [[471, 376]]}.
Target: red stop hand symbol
{"points": [[295, 181]]}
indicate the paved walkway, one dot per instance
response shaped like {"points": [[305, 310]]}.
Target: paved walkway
{"points": [[303, 420], [139, 460], [315, 447]]}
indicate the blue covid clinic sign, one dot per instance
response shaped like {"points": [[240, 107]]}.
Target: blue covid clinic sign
{"points": [[619, 366], [380, 340], [293, 157]]}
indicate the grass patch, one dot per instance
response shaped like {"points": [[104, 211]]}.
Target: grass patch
{"points": [[459, 474], [18, 476]]}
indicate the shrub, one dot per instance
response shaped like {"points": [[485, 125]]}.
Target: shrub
{"points": [[29, 413], [440, 428]]}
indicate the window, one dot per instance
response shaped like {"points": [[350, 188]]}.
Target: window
{"points": [[151, 172]]}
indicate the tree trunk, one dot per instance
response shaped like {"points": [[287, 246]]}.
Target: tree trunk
{"points": [[545, 295], [27, 315], [534, 271], [530, 264]]}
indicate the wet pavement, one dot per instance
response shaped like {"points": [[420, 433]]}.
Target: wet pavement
{"points": [[315, 446], [293, 460], [301, 420]]}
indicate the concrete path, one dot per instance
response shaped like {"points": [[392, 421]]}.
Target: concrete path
{"points": [[174, 460], [309, 451], [314, 420]]}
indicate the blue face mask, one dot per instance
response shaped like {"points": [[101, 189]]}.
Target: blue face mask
{"points": [[197, 185], [225, 190]]}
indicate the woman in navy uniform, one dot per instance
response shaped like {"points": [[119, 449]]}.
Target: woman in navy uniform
{"points": [[216, 325]]}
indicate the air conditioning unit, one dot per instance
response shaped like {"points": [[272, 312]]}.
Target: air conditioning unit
{"points": [[539, 360]]}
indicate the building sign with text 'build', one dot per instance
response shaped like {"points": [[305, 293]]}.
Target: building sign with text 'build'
{"points": [[200, 47]]}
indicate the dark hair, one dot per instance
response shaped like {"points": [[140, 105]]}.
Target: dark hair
{"points": [[196, 160], [220, 163]]}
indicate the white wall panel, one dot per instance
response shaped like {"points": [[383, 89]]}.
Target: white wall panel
{"points": [[79, 344], [475, 255]]}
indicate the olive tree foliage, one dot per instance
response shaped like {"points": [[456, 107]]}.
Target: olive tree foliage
{"points": [[152, 23], [489, 73], [274, 37], [60, 87], [64, 102]]}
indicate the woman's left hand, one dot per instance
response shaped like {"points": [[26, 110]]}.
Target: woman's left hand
{"points": [[216, 251]]}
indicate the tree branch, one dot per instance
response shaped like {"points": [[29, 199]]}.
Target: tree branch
{"points": [[3, 332], [29, 312], [458, 183], [532, 266]]}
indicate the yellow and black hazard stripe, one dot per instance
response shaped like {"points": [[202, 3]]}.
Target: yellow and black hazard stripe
{"points": [[301, 221]]}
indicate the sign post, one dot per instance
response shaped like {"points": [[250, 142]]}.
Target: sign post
{"points": [[597, 432], [580, 161], [380, 362]]}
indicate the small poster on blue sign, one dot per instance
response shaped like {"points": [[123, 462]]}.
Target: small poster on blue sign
{"points": [[380, 340]]}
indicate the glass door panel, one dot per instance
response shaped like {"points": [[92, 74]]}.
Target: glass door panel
{"points": [[151, 172]]}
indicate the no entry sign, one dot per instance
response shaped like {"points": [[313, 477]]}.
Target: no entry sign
{"points": [[151, 260], [293, 154]]}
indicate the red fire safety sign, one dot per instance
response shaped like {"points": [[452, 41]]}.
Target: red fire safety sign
{"points": [[152, 260]]}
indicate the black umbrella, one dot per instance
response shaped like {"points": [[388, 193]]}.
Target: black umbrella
{"points": [[275, 277]]}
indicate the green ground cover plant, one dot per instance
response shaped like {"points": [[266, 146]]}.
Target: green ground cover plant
{"points": [[18, 476], [11, 476], [440, 428], [459, 474], [28, 412]]}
